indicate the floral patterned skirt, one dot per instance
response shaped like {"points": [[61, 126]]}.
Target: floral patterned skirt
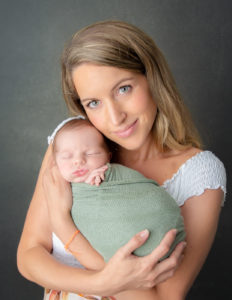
{"points": [[59, 295]]}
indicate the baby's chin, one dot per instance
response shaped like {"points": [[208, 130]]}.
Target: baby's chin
{"points": [[77, 179]]}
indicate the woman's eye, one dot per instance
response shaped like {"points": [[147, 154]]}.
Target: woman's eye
{"points": [[93, 104], [124, 89]]}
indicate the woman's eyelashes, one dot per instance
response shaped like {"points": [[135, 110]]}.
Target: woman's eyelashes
{"points": [[124, 89], [92, 104]]}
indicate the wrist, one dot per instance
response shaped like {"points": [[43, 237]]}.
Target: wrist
{"points": [[106, 284], [64, 228], [99, 284], [103, 284]]}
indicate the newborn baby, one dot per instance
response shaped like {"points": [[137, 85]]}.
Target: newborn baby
{"points": [[111, 203]]}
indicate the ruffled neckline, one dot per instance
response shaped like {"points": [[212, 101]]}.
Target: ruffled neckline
{"points": [[187, 162]]}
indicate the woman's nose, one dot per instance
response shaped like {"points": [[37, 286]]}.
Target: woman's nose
{"points": [[116, 113]]}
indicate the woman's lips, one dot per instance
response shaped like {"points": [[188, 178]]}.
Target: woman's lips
{"points": [[79, 173], [127, 131]]}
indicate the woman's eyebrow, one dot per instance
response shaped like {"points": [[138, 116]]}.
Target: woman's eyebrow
{"points": [[117, 84], [86, 99], [121, 81]]}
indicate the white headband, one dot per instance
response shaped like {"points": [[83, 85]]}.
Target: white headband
{"points": [[51, 137]]}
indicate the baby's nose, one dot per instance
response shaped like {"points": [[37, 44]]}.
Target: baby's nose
{"points": [[80, 160]]}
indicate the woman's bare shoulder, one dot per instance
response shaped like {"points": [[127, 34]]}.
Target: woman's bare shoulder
{"points": [[183, 155], [173, 160], [177, 158]]}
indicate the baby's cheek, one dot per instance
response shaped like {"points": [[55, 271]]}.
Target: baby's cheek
{"points": [[65, 170]]}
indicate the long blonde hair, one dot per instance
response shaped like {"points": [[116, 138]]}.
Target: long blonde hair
{"points": [[122, 45]]}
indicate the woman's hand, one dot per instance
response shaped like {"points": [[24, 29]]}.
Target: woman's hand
{"points": [[58, 196], [125, 271], [59, 203]]}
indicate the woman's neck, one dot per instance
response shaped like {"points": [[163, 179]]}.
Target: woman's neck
{"points": [[147, 152]]}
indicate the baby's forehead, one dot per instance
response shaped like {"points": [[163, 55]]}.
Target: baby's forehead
{"points": [[84, 134], [81, 131]]}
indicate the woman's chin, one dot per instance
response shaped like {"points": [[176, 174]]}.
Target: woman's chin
{"points": [[130, 145]]}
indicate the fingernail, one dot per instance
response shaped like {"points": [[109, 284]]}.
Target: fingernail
{"points": [[144, 233], [184, 244], [174, 231]]}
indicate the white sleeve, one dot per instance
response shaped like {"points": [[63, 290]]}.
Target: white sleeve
{"points": [[202, 171]]}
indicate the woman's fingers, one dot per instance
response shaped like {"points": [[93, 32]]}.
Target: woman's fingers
{"points": [[140, 238], [146, 271], [57, 190], [166, 269], [168, 266], [159, 271], [163, 247], [134, 243], [51, 173], [178, 251], [161, 278], [51, 163]]}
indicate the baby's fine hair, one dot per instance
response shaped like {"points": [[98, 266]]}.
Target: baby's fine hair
{"points": [[76, 124], [122, 45]]}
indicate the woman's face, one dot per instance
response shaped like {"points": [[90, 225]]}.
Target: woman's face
{"points": [[118, 103]]}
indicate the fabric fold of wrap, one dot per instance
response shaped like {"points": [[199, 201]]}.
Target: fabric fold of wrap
{"points": [[124, 204]]}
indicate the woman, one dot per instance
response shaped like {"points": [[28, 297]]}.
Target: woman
{"points": [[115, 75]]}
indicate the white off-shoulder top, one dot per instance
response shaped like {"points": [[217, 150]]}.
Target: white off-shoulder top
{"points": [[202, 171]]}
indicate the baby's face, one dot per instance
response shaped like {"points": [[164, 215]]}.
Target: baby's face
{"points": [[79, 151]]}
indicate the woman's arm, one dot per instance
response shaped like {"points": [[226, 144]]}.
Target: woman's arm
{"points": [[124, 271], [79, 246], [61, 221], [201, 214], [33, 257]]}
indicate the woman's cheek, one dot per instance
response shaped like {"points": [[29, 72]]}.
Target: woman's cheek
{"points": [[98, 120]]}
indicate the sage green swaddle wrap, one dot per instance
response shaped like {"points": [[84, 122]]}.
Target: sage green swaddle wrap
{"points": [[124, 204]]}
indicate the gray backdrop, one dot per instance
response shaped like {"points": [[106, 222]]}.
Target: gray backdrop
{"points": [[195, 36]]}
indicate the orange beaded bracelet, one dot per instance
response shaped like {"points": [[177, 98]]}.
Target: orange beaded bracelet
{"points": [[70, 241]]}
